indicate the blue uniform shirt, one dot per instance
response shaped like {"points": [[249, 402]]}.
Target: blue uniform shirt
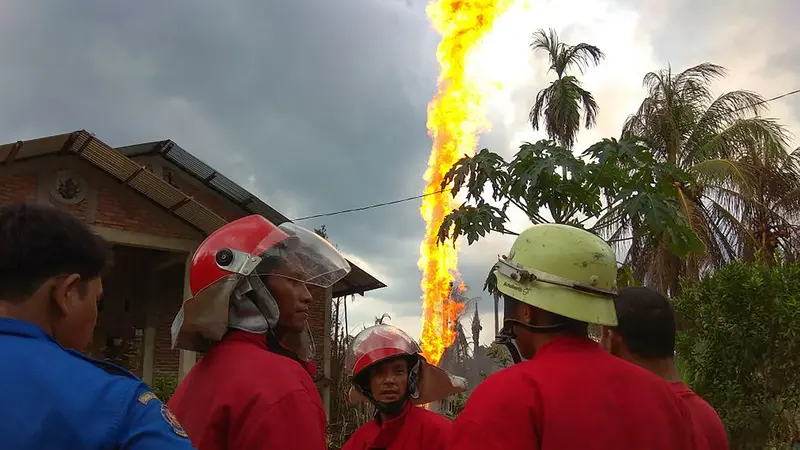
{"points": [[54, 398]]}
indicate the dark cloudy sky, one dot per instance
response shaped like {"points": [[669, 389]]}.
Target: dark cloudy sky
{"points": [[319, 105]]}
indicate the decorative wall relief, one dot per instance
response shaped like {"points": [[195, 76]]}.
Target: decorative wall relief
{"points": [[68, 187]]}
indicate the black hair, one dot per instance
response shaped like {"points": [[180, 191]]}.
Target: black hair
{"points": [[39, 242], [646, 322]]}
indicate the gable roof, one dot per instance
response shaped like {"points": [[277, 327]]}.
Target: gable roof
{"points": [[205, 174], [118, 164]]}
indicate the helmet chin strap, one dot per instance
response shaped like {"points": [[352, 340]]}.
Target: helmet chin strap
{"points": [[508, 337], [255, 310]]}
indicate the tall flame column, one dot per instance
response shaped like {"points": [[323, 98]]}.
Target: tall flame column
{"points": [[456, 115]]}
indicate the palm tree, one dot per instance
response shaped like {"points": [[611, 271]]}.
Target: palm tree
{"points": [[380, 320], [560, 104], [744, 197]]}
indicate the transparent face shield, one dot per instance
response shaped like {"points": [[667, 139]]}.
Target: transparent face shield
{"points": [[242, 300]]}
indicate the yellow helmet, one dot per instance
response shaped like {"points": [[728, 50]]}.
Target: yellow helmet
{"points": [[563, 270]]}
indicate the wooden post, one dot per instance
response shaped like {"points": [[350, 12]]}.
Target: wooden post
{"points": [[326, 356], [150, 326], [186, 359]]}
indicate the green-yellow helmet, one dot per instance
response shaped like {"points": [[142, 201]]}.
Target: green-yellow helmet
{"points": [[563, 270]]}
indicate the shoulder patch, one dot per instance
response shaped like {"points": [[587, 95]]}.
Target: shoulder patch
{"points": [[147, 397], [172, 421]]}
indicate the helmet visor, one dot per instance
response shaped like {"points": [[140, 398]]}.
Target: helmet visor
{"points": [[305, 257], [376, 344]]}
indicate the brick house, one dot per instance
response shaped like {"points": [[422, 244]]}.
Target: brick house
{"points": [[155, 202]]}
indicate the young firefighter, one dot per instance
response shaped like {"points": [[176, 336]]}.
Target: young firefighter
{"points": [[388, 370], [55, 397], [645, 336], [565, 392], [253, 389]]}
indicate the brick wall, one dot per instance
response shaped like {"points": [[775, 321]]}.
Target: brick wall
{"points": [[316, 321], [16, 188], [169, 298], [123, 211]]}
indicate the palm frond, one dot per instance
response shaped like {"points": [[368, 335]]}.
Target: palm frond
{"points": [[581, 56], [548, 42]]}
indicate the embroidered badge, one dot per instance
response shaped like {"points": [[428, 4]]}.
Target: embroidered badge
{"points": [[147, 397], [173, 421]]}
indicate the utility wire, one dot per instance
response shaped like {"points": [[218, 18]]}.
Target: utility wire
{"points": [[416, 197], [364, 208]]}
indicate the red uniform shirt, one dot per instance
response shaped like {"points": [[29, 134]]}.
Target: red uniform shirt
{"points": [[573, 395], [241, 396], [705, 418], [414, 429]]}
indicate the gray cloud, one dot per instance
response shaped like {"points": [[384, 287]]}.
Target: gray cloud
{"points": [[317, 105], [321, 99]]}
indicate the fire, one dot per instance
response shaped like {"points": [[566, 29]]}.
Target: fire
{"points": [[455, 117]]}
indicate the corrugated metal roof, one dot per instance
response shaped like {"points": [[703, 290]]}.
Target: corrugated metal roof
{"points": [[357, 282], [201, 171]]}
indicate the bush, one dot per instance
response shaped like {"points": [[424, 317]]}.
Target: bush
{"points": [[740, 349], [164, 385]]}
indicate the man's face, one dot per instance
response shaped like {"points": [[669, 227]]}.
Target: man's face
{"points": [[77, 303], [388, 381], [292, 296]]}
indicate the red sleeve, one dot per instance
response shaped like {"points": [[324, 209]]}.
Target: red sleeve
{"points": [[353, 442], [495, 419], [294, 422]]}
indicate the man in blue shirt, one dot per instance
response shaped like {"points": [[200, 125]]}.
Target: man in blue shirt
{"points": [[55, 397]]}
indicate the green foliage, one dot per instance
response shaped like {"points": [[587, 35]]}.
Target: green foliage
{"points": [[164, 385], [560, 104], [743, 200], [741, 350], [617, 181], [455, 405], [499, 355]]}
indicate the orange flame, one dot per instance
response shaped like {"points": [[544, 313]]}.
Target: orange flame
{"points": [[455, 117]]}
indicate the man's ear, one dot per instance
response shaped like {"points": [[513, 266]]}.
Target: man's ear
{"points": [[605, 337], [612, 341], [526, 313], [66, 291]]}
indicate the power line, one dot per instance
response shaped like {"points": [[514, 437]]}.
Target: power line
{"points": [[364, 208], [417, 197]]}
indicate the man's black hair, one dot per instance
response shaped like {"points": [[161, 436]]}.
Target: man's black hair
{"points": [[646, 322], [39, 242]]}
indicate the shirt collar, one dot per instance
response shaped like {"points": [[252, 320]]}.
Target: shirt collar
{"points": [[566, 342], [21, 328]]}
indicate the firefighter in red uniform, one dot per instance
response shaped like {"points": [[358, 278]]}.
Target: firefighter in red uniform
{"points": [[645, 336], [565, 392], [388, 370], [253, 389]]}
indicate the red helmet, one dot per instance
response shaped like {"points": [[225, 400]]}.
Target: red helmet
{"points": [[251, 235], [245, 248], [381, 342], [376, 344]]}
